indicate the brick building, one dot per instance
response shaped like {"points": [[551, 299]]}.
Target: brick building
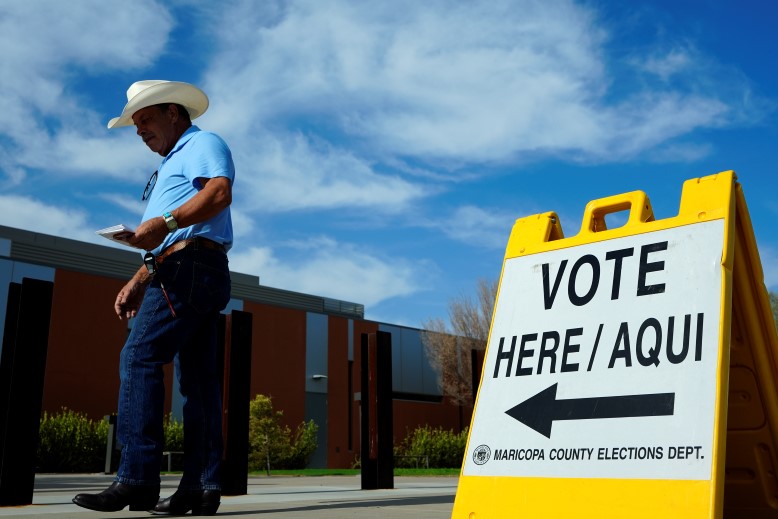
{"points": [[305, 348]]}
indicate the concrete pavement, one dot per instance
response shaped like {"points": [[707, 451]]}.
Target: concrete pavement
{"points": [[280, 497]]}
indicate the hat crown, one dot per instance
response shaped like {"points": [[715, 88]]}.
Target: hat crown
{"points": [[149, 92], [139, 86]]}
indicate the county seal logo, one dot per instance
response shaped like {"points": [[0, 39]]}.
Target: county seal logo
{"points": [[481, 454]]}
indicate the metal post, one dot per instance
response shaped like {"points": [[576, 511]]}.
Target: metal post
{"points": [[377, 456], [110, 445], [236, 391], [22, 408]]}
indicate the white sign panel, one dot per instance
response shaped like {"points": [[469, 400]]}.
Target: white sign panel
{"points": [[602, 361]]}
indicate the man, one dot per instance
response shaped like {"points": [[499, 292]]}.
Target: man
{"points": [[175, 299]]}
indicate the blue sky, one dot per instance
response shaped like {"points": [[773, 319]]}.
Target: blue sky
{"points": [[384, 149]]}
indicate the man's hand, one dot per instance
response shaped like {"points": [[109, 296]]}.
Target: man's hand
{"points": [[149, 234], [129, 298]]}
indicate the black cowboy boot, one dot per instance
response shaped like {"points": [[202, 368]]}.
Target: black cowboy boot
{"points": [[118, 496], [200, 502]]}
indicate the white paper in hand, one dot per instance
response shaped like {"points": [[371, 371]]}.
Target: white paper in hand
{"points": [[118, 233]]}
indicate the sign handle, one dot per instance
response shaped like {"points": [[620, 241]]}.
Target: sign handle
{"points": [[636, 202]]}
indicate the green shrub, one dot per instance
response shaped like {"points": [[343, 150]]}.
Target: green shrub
{"points": [[174, 434], [71, 442], [272, 445], [443, 449], [303, 445]]}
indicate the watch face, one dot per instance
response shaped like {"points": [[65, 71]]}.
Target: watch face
{"points": [[171, 223]]}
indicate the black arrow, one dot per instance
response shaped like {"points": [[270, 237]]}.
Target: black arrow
{"points": [[540, 411]]}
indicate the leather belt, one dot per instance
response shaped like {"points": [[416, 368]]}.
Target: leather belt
{"points": [[196, 243]]}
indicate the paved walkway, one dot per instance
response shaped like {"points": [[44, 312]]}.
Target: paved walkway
{"points": [[324, 497]]}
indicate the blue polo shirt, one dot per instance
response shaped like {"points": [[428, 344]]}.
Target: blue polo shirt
{"points": [[197, 154]]}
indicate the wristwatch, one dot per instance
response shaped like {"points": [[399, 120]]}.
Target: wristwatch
{"points": [[171, 222]]}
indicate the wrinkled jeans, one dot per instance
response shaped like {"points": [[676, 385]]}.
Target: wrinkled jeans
{"points": [[197, 283]]}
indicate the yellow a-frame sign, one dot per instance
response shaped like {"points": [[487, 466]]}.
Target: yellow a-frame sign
{"points": [[630, 372]]}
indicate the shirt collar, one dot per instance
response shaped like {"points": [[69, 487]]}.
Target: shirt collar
{"points": [[185, 137]]}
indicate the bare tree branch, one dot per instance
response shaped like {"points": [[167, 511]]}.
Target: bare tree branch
{"points": [[449, 350]]}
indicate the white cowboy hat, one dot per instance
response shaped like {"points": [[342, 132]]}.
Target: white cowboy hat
{"points": [[153, 92]]}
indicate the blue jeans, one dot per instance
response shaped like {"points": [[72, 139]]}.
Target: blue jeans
{"points": [[197, 283]]}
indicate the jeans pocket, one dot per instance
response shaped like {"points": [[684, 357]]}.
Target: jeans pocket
{"points": [[210, 288]]}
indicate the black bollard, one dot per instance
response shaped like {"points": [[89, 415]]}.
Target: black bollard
{"points": [[25, 346], [236, 399], [112, 450], [376, 448]]}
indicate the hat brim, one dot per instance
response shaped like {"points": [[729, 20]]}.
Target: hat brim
{"points": [[189, 96]]}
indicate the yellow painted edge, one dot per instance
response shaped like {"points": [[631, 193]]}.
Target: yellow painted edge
{"points": [[691, 203], [755, 303], [490, 497]]}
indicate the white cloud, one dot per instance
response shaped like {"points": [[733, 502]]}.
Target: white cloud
{"points": [[345, 106], [115, 156], [15, 176], [651, 119], [327, 268], [243, 226], [668, 64], [130, 204], [433, 80], [467, 82], [47, 122], [341, 104], [477, 226], [33, 215], [91, 33], [680, 152], [295, 173]]}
